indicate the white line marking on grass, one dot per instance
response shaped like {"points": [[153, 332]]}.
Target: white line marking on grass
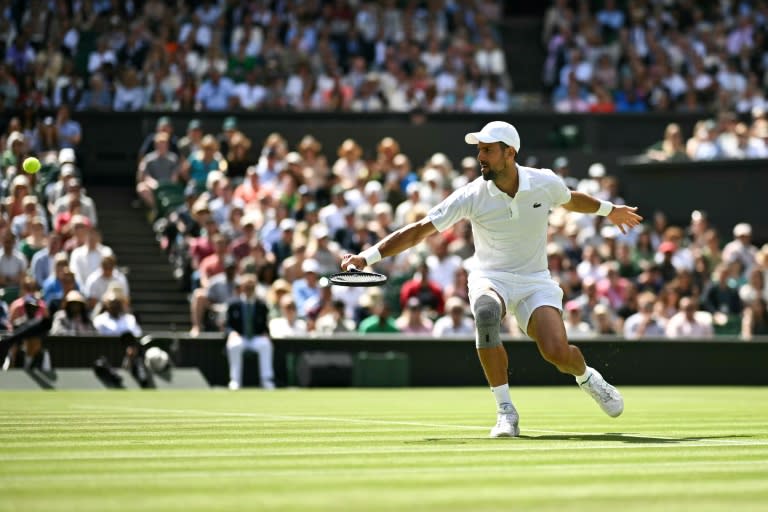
{"points": [[366, 421]]}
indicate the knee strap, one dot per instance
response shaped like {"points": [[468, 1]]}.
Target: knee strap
{"points": [[487, 311]]}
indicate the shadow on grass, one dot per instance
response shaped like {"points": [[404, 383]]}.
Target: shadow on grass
{"points": [[617, 437]]}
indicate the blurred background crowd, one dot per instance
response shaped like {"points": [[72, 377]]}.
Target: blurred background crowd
{"points": [[205, 55]]}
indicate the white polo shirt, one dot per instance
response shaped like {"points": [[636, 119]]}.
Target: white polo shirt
{"points": [[510, 233]]}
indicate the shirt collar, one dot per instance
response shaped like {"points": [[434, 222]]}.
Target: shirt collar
{"points": [[523, 176]]}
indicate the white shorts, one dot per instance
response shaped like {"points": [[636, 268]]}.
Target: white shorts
{"points": [[522, 293]]}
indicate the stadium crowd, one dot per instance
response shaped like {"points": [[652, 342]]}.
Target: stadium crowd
{"points": [[656, 55], [54, 265], [297, 208], [206, 55]]}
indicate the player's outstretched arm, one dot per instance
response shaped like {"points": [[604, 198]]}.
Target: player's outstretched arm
{"points": [[394, 243], [624, 217]]}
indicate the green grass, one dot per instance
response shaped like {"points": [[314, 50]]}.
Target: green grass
{"points": [[702, 449]]}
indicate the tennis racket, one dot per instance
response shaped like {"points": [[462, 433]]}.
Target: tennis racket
{"points": [[354, 277]]}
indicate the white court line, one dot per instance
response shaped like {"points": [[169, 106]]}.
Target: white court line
{"points": [[288, 417]]}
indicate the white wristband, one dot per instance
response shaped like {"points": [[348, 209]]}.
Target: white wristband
{"points": [[371, 255], [605, 208]]}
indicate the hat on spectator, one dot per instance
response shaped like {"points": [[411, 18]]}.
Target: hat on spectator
{"points": [[572, 305], [68, 170], [80, 220], [600, 309], [560, 162], [412, 187], [320, 231], [19, 180], [596, 170], [468, 162], [74, 296], [440, 160], [495, 131], [48, 121], [372, 187], [609, 232], [287, 225], [310, 265], [14, 137], [667, 247], [742, 229], [432, 175], [162, 137], [194, 124], [163, 121], [67, 156], [293, 158], [455, 303], [230, 123], [29, 200]]}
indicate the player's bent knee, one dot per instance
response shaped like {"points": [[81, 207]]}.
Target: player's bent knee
{"points": [[556, 353], [487, 311]]}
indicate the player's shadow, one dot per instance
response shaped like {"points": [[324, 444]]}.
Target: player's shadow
{"points": [[619, 437], [616, 437]]}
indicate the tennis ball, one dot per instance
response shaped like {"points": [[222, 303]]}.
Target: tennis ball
{"points": [[31, 165]]}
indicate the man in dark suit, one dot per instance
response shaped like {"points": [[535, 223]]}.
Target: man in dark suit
{"points": [[247, 330]]}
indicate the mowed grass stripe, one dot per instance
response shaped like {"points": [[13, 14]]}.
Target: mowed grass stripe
{"points": [[382, 450]]}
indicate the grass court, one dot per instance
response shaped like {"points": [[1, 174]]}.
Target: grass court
{"points": [[702, 449]]}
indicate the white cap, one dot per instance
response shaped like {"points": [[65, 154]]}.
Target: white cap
{"points": [[293, 158], [287, 225], [310, 265], [68, 170], [742, 229], [319, 231], [496, 131], [66, 155], [372, 187], [596, 170], [432, 174]]}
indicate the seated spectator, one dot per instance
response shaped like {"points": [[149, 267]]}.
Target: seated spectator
{"points": [[98, 282], [645, 323], [75, 191], [208, 303], [13, 267], [114, 320], [247, 330], [160, 167], [456, 320], [31, 208], [213, 264], [687, 324], [429, 293], [35, 239], [575, 326], [380, 321], [201, 163], [754, 321], [86, 259], [671, 148], [413, 320], [334, 321], [42, 262], [741, 248], [307, 288], [73, 318], [288, 322]]}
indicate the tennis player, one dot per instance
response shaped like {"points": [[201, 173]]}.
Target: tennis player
{"points": [[508, 209]]}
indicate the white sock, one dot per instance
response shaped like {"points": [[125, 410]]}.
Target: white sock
{"points": [[580, 379], [501, 394]]}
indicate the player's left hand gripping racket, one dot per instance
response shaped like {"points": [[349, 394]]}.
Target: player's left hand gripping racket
{"points": [[354, 277]]}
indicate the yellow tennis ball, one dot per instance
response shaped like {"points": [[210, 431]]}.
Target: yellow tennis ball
{"points": [[31, 165]]}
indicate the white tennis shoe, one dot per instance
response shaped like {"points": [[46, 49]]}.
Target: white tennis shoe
{"points": [[506, 423], [607, 397]]}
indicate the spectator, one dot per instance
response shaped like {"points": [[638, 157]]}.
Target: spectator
{"points": [[307, 288], [20, 311], [456, 320], [429, 293], [645, 323], [754, 320], [741, 248], [380, 321], [687, 324], [13, 267], [157, 168], [42, 262], [114, 320], [86, 259], [288, 322], [100, 281], [247, 330], [412, 320], [73, 318]]}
